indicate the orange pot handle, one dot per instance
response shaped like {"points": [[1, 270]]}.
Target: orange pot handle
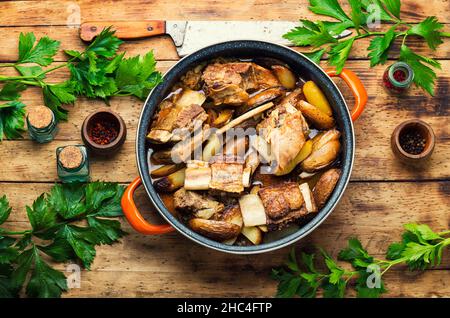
{"points": [[135, 218], [357, 88]]}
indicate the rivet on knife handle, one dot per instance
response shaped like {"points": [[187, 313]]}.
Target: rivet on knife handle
{"points": [[124, 30]]}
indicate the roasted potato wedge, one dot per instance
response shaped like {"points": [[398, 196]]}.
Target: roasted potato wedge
{"points": [[216, 230], [325, 151], [325, 186], [316, 97], [319, 118], [285, 76], [163, 157], [232, 215], [302, 155], [171, 182], [165, 170], [253, 233], [222, 118]]}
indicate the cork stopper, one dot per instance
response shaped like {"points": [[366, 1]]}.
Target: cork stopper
{"points": [[40, 117], [70, 157]]}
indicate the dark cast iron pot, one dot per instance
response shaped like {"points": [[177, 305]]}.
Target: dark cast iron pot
{"points": [[302, 66]]}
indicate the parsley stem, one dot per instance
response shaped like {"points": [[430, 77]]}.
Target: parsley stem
{"points": [[7, 64], [444, 233], [6, 232]]}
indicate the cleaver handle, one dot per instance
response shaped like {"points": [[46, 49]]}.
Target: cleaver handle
{"points": [[124, 29]]}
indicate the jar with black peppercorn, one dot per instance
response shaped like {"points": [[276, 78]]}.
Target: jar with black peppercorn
{"points": [[72, 163], [41, 124], [398, 78]]}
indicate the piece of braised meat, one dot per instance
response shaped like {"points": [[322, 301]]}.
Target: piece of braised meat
{"points": [[201, 206], [230, 83]]}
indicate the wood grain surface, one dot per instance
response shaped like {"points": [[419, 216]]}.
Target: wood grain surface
{"points": [[381, 197]]}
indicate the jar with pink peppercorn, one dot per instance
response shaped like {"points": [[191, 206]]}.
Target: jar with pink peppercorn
{"points": [[398, 78]]}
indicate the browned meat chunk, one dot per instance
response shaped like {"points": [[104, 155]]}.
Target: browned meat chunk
{"points": [[279, 200], [227, 177], [192, 202], [284, 130], [185, 112], [229, 83], [264, 77]]}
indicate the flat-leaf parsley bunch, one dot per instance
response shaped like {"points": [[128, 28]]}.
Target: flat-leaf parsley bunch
{"points": [[97, 72], [321, 35], [419, 249], [66, 225]]}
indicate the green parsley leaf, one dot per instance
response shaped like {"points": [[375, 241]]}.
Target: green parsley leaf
{"points": [[362, 288], [11, 91], [108, 231], [82, 240], [334, 290], [424, 76], [288, 283], [5, 209], [355, 254], [379, 47], [310, 34], [24, 262], [393, 6], [34, 70], [429, 29], [339, 53], [12, 121], [45, 282], [6, 288], [97, 193], [336, 272], [329, 8], [41, 215], [42, 53], [376, 10], [357, 15], [105, 44], [53, 102], [68, 200], [316, 55], [7, 253], [60, 250], [137, 75], [422, 231]]}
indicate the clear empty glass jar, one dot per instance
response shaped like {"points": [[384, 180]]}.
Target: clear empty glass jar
{"points": [[72, 163]]}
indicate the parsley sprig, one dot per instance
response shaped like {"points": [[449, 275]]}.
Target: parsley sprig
{"points": [[66, 225], [320, 35], [97, 72], [419, 249]]}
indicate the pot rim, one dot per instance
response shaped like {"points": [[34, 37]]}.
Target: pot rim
{"points": [[288, 239]]}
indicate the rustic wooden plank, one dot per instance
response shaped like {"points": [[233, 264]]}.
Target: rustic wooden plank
{"points": [[150, 265], [163, 46], [374, 159], [48, 12], [373, 211], [203, 283]]}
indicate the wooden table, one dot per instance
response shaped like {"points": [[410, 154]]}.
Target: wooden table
{"points": [[381, 197]]}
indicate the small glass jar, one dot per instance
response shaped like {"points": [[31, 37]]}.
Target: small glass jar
{"points": [[398, 78], [72, 163], [41, 124]]}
